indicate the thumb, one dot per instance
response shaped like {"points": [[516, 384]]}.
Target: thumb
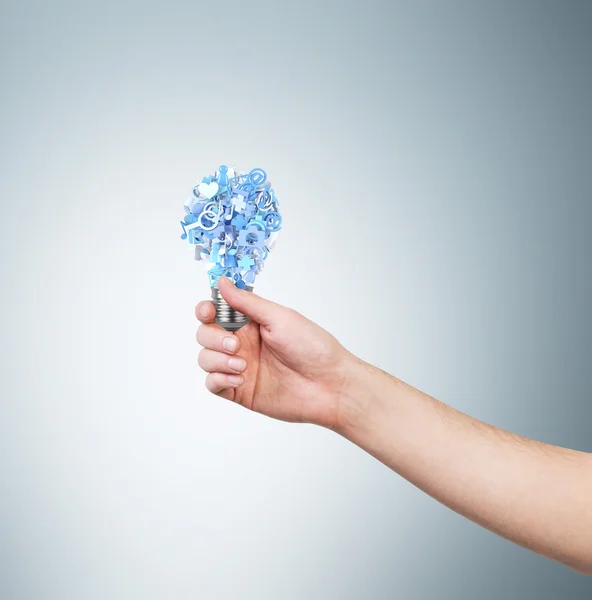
{"points": [[257, 308]]}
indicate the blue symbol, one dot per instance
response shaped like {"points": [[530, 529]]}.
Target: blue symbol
{"points": [[264, 201], [232, 231], [257, 177], [223, 177], [273, 221], [239, 221], [246, 189]]}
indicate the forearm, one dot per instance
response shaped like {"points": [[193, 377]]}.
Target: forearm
{"points": [[537, 495]]}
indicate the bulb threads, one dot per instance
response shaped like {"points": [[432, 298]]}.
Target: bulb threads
{"points": [[227, 317]]}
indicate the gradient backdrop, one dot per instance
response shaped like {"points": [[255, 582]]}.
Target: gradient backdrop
{"points": [[433, 161]]}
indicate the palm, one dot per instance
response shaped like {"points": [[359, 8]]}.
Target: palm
{"points": [[281, 381]]}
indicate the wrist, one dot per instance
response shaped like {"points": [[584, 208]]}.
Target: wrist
{"points": [[361, 397]]}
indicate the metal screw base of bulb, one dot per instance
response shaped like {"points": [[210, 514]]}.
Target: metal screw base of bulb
{"points": [[226, 316]]}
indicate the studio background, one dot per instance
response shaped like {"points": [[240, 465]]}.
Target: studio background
{"points": [[432, 161]]}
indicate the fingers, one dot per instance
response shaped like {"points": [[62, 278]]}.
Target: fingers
{"points": [[259, 309], [218, 362], [218, 383], [212, 336], [216, 356], [205, 311]]}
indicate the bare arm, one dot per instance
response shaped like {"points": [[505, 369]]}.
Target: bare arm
{"points": [[287, 367], [535, 494]]}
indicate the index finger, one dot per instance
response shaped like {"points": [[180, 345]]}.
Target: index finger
{"points": [[205, 311]]}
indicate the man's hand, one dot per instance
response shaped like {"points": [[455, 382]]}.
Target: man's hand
{"points": [[280, 364], [284, 366]]}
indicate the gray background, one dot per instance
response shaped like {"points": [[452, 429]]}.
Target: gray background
{"points": [[433, 162]]}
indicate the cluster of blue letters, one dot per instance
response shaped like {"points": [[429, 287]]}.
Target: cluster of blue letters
{"points": [[232, 220]]}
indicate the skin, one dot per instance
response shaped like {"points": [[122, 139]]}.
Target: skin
{"points": [[284, 366]]}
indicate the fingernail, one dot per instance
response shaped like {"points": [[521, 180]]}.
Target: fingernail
{"points": [[235, 379], [229, 344], [203, 311], [236, 363]]}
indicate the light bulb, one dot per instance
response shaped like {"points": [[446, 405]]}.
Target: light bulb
{"points": [[231, 222]]}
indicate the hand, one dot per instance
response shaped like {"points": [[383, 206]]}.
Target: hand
{"points": [[280, 364]]}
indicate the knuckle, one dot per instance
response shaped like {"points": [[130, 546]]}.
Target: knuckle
{"points": [[198, 311], [212, 383], [200, 335], [214, 341], [209, 383], [202, 358]]}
